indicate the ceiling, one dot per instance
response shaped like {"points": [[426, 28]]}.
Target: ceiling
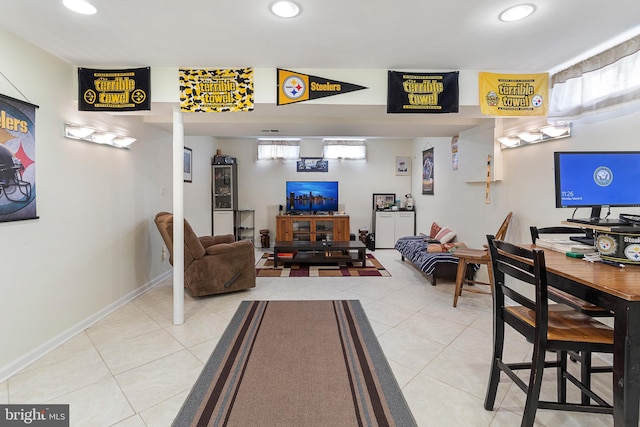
{"points": [[329, 34]]}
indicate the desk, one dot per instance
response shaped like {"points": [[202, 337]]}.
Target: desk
{"points": [[617, 289]]}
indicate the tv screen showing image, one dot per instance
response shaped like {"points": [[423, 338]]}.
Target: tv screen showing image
{"points": [[596, 178], [312, 196]]}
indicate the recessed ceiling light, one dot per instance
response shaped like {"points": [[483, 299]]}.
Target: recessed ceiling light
{"points": [[285, 9], [80, 6], [517, 13]]}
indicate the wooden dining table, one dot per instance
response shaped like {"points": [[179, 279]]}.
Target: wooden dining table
{"points": [[617, 289]]}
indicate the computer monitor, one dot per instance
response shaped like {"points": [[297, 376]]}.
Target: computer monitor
{"points": [[596, 179]]}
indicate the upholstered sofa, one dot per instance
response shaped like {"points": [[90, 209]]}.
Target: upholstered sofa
{"points": [[212, 264]]}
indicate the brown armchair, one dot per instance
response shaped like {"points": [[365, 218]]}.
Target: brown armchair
{"points": [[212, 264]]}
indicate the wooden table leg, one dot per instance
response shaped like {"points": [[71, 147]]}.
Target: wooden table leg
{"points": [[462, 268]]}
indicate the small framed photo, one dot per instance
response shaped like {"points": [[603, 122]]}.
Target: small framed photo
{"points": [[188, 164], [403, 165], [312, 164], [383, 201]]}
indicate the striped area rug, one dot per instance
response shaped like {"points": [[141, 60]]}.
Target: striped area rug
{"points": [[372, 268], [297, 363]]}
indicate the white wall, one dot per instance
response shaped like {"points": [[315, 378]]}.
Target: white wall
{"points": [[262, 183], [95, 241]]}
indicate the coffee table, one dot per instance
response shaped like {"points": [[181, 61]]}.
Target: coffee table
{"points": [[306, 252]]}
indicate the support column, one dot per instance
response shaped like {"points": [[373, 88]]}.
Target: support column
{"points": [[178, 217]]}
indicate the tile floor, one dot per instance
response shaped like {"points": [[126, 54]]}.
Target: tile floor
{"points": [[135, 368]]}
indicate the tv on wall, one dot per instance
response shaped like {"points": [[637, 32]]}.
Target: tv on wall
{"points": [[312, 196]]}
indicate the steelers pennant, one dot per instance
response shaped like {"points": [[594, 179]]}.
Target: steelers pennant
{"points": [[298, 87]]}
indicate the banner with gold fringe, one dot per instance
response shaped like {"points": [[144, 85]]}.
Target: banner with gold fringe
{"points": [[422, 92], [114, 90], [514, 94], [216, 90]]}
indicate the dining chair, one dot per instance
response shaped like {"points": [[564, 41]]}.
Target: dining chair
{"points": [[550, 327], [585, 307], [468, 256]]}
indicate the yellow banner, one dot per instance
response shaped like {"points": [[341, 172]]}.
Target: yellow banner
{"points": [[216, 91], [514, 94]]}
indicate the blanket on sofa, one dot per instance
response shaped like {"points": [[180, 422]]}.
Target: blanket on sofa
{"points": [[414, 248]]}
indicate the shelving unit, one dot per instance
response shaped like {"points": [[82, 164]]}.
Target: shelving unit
{"points": [[224, 198], [312, 228], [245, 225]]}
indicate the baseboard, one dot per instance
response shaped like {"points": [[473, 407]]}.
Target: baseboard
{"points": [[13, 368]]}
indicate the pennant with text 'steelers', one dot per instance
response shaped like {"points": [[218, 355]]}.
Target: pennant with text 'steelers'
{"points": [[114, 90], [514, 94], [422, 92], [298, 87]]}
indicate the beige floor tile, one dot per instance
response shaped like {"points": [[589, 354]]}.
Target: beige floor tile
{"points": [[99, 404], [163, 414], [128, 353], [4, 393], [409, 350], [159, 380]]}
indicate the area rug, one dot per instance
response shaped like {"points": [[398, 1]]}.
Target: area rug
{"points": [[297, 363], [372, 268]]}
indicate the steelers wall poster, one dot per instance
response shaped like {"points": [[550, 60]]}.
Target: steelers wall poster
{"points": [[514, 94], [409, 92], [299, 87], [17, 160], [216, 90], [114, 90]]}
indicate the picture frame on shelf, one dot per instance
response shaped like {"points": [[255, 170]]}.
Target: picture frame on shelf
{"points": [[383, 200], [188, 164]]}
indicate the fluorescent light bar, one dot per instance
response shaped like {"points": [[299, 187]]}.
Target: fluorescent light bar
{"points": [[88, 134]]}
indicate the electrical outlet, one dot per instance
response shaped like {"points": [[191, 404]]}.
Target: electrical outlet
{"points": [[165, 253]]}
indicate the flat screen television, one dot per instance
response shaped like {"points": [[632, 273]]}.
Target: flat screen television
{"points": [[596, 179], [312, 196]]}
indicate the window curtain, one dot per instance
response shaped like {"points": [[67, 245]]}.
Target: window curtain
{"points": [[288, 149], [598, 86], [345, 149]]}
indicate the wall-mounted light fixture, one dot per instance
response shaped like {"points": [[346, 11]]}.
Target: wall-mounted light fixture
{"points": [[89, 134], [536, 135]]}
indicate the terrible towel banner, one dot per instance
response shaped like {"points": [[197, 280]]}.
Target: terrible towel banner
{"points": [[114, 90], [514, 94], [216, 90], [298, 87], [17, 160], [422, 92]]}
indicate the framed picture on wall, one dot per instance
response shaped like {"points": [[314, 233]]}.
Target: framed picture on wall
{"points": [[403, 165], [427, 171], [188, 164], [312, 164]]}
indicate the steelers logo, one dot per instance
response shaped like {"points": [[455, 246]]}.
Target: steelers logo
{"points": [[536, 101], [632, 252], [603, 176], [605, 244], [138, 96], [294, 87], [90, 96]]}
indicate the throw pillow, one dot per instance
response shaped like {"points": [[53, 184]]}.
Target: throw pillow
{"points": [[445, 235], [435, 228]]}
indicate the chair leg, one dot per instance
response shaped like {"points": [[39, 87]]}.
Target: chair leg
{"points": [[535, 383], [585, 374], [460, 277], [494, 374], [561, 380]]}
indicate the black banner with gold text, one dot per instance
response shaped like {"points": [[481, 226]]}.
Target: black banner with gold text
{"points": [[424, 93], [114, 90]]}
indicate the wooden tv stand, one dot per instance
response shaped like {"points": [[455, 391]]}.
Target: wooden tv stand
{"points": [[312, 228]]}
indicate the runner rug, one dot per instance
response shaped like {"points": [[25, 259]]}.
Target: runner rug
{"points": [[265, 268], [297, 363]]}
